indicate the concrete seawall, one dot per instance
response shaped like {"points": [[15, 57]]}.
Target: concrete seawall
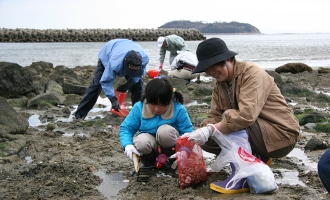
{"points": [[93, 35]]}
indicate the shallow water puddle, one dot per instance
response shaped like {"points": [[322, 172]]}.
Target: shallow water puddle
{"points": [[111, 183], [28, 159], [303, 159], [35, 121], [289, 177]]}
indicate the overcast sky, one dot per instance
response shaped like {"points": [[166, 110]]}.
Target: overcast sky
{"points": [[276, 16]]}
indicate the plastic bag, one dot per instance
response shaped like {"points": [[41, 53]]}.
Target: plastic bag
{"points": [[237, 150], [123, 112], [190, 161]]}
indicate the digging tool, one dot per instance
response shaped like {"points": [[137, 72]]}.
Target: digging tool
{"points": [[123, 113], [143, 173], [136, 163]]}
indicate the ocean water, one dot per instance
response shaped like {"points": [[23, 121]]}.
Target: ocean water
{"points": [[267, 50]]}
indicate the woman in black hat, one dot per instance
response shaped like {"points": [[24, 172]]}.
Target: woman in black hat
{"points": [[246, 102]]}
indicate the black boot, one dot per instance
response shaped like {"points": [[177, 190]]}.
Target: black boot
{"points": [[148, 159], [168, 151]]}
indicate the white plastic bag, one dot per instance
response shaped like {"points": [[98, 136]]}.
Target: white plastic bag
{"points": [[237, 150]]}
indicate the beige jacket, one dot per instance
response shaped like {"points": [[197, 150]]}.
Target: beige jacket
{"points": [[258, 98]]}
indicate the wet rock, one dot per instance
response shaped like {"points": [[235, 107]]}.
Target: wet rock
{"points": [[314, 117], [293, 68], [46, 99], [53, 86], [316, 143], [14, 82], [18, 102], [11, 122], [323, 70], [70, 88], [310, 125]]}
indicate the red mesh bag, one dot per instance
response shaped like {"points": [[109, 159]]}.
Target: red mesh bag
{"points": [[191, 166]]}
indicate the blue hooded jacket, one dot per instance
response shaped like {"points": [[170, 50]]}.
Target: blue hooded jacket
{"points": [[140, 119]]}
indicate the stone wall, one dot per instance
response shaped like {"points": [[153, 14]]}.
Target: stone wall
{"points": [[93, 35]]}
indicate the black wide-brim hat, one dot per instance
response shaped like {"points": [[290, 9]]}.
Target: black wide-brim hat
{"points": [[211, 51]]}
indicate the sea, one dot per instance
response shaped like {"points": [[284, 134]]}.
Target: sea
{"points": [[269, 51]]}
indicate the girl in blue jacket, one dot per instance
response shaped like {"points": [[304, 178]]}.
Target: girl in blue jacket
{"points": [[158, 119]]}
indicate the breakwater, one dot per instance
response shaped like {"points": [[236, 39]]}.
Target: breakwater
{"points": [[94, 35]]}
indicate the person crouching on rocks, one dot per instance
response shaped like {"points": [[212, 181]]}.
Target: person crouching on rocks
{"points": [[158, 119], [247, 103], [183, 66], [118, 57]]}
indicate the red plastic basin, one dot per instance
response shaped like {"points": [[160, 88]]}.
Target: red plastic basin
{"points": [[153, 73]]}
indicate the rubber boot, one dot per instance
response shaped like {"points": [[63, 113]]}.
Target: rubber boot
{"points": [[240, 186], [148, 160], [168, 151], [264, 159]]}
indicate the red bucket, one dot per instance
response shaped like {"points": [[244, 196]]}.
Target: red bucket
{"points": [[123, 112], [153, 73]]}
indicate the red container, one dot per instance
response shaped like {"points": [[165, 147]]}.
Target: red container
{"points": [[153, 73], [123, 112]]}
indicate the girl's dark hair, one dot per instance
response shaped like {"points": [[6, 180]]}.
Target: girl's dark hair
{"points": [[160, 91]]}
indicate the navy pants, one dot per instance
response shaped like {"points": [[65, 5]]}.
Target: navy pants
{"points": [[93, 92], [323, 168]]}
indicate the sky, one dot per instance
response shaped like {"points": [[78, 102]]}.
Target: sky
{"points": [[276, 16]]}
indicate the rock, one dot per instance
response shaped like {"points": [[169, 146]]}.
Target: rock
{"points": [[10, 121], [316, 143], [94, 35], [41, 74], [69, 88], [45, 99], [294, 68], [277, 78], [323, 70], [314, 117], [53, 86], [310, 125], [18, 102], [12, 147], [14, 82]]}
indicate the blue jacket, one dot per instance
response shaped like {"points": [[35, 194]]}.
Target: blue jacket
{"points": [[112, 56], [141, 120]]}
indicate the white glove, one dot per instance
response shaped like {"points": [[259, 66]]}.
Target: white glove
{"points": [[129, 150], [185, 135], [201, 135], [172, 156]]}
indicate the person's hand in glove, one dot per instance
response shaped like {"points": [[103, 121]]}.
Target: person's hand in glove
{"points": [[124, 87], [114, 103], [160, 66], [129, 150], [201, 135]]}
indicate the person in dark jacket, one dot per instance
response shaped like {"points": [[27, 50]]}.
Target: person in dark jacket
{"points": [[118, 57], [323, 169]]}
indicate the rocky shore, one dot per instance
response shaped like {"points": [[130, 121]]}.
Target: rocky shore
{"points": [[94, 35], [61, 157]]}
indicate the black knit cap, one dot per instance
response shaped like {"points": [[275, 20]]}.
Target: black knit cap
{"points": [[133, 62], [211, 51]]}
